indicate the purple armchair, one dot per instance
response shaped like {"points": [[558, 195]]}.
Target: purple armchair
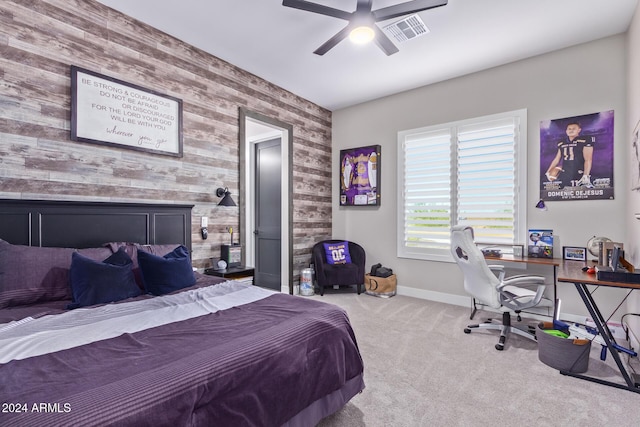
{"points": [[339, 274]]}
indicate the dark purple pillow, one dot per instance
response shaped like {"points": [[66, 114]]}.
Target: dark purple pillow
{"points": [[337, 253], [164, 274], [31, 274], [95, 282], [160, 250], [132, 250]]}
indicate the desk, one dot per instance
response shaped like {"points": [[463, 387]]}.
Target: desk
{"points": [[529, 260], [552, 262], [571, 272]]}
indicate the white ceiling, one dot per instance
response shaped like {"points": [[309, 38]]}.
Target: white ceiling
{"points": [[276, 43]]}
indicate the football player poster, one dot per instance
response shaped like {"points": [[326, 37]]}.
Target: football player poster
{"points": [[576, 157]]}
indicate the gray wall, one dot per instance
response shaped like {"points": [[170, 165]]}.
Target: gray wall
{"points": [[580, 80], [632, 241], [38, 43]]}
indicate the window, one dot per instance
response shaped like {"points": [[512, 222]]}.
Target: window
{"points": [[471, 172]]}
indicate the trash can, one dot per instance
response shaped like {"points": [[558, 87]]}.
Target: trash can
{"points": [[563, 354], [306, 282]]}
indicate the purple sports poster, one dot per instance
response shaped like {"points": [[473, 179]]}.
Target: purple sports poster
{"points": [[360, 176], [576, 157]]}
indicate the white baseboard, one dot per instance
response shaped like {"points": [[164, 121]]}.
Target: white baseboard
{"points": [[465, 301], [460, 300]]}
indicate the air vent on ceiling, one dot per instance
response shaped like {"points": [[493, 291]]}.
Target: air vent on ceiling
{"points": [[407, 28]]}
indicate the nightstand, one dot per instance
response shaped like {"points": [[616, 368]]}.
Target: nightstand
{"points": [[241, 272]]}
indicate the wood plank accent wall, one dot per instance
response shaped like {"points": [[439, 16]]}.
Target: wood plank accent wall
{"points": [[41, 39]]}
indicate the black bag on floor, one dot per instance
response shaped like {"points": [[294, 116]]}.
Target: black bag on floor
{"points": [[378, 270]]}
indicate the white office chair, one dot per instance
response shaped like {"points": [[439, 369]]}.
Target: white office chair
{"points": [[502, 293]]}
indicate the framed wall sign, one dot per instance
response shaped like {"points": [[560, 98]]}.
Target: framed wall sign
{"points": [[360, 176], [108, 111]]}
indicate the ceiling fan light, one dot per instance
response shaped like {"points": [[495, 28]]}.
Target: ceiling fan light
{"points": [[361, 35]]}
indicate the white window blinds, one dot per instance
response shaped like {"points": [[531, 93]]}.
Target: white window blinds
{"points": [[461, 173], [427, 191], [486, 180]]}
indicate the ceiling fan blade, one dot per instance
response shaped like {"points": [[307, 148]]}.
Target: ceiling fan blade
{"points": [[406, 8], [341, 35], [384, 42], [364, 6], [317, 8]]}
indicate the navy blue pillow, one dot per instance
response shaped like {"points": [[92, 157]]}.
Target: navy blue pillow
{"points": [[162, 275], [95, 282]]}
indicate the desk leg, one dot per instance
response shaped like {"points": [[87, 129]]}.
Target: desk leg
{"points": [[601, 324], [555, 293]]}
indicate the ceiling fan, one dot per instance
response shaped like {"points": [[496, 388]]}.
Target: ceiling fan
{"points": [[362, 20]]}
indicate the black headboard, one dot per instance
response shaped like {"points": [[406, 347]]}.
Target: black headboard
{"points": [[90, 224]]}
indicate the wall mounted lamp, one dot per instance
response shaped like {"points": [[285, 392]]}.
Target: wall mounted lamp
{"points": [[226, 197]]}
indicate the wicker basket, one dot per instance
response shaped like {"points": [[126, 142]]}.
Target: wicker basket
{"points": [[380, 286], [562, 354]]}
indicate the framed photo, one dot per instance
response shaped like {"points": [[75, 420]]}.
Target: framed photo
{"points": [[540, 244], [108, 111], [574, 253], [360, 176]]}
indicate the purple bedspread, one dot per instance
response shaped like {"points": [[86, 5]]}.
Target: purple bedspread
{"points": [[257, 364]]}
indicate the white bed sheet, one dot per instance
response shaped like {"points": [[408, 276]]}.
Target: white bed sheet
{"points": [[33, 337]]}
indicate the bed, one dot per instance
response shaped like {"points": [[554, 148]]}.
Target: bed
{"points": [[102, 324]]}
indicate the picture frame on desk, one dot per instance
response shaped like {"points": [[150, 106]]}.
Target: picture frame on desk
{"points": [[574, 253], [540, 244]]}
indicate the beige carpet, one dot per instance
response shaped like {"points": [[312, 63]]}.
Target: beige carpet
{"points": [[421, 369]]}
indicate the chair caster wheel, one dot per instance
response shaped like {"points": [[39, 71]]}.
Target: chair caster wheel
{"points": [[499, 347], [467, 330]]}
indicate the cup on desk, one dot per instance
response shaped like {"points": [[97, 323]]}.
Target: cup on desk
{"points": [[518, 251]]}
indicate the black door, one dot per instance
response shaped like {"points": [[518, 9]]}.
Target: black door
{"points": [[268, 213]]}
